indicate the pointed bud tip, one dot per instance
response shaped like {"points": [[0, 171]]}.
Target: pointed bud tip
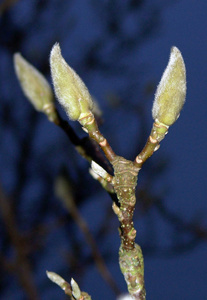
{"points": [[19, 60], [175, 50], [55, 50], [16, 57]]}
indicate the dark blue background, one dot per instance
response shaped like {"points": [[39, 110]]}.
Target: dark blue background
{"points": [[120, 49]]}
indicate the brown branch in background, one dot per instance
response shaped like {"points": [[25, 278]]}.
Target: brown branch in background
{"points": [[86, 147], [197, 231], [195, 228], [24, 156], [6, 264], [5, 5], [21, 266], [64, 192]]}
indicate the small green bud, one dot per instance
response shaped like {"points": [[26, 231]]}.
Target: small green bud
{"points": [[70, 90], [171, 91], [56, 279], [97, 169], [64, 285], [75, 289], [33, 83]]}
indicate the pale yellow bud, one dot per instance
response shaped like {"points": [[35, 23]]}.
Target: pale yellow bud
{"points": [[64, 285], [97, 169], [70, 90], [75, 289], [54, 277], [171, 91], [33, 83]]}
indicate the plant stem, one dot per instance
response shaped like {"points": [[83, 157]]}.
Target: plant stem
{"points": [[157, 134], [89, 123], [130, 255]]}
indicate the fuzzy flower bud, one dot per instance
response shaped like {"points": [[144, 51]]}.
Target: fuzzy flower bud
{"points": [[171, 91], [33, 83], [70, 90]]}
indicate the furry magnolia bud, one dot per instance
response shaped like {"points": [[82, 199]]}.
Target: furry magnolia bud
{"points": [[70, 90], [33, 83], [171, 91]]}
